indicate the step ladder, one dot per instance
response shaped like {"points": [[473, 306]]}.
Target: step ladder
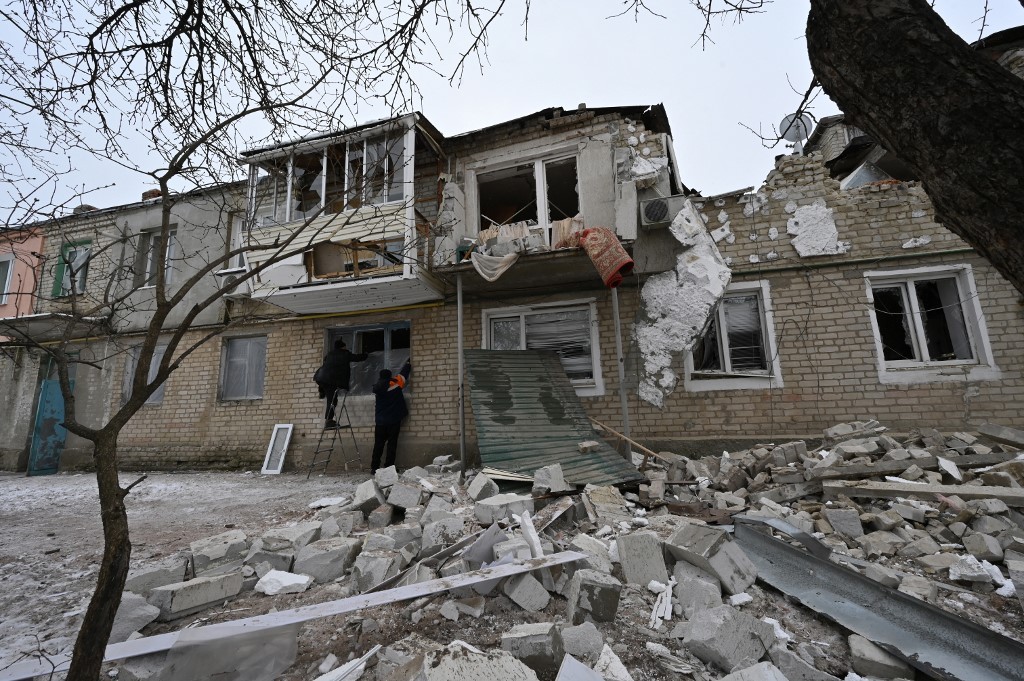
{"points": [[331, 437]]}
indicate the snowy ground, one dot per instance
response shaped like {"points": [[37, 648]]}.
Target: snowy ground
{"points": [[51, 537]]}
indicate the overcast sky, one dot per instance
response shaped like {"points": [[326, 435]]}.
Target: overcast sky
{"points": [[753, 74], [574, 54]]}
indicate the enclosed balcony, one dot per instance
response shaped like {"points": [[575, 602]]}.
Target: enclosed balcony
{"points": [[346, 209]]}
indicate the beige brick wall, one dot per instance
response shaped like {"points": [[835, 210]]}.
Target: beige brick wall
{"points": [[823, 333]]}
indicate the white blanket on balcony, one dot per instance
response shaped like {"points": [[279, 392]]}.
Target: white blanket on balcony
{"points": [[491, 267]]}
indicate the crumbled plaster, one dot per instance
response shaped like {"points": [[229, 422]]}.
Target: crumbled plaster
{"points": [[677, 304], [779, 194], [645, 151], [723, 217], [632, 128], [773, 233], [814, 231], [719, 203], [790, 207], [645, 171], [752, 236], [917, 241], [754, 259], [772, 255], [918, 214], [730, 238], [632, 141], [643, 137], [754, 202], [723, 232]]}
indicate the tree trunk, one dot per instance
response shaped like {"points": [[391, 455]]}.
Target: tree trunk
{"points": [[99, 617], [954, 116]]}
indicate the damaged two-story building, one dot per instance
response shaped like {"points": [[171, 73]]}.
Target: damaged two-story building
{"points": [[758, 315]]}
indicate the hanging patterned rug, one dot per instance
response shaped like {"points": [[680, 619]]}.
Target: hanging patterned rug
{"points": [[607, 254]]}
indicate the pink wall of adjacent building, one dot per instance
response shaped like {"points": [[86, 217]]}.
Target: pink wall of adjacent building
{"points": [[23, 277]]}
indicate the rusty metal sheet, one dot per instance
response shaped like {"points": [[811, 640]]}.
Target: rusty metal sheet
{"points": [[528, 416]]}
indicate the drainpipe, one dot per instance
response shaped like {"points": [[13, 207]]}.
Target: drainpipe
{"points": [[461, 403], [621, 361]]}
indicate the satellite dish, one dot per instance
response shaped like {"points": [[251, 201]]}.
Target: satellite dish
{"points": [[796, 129]]}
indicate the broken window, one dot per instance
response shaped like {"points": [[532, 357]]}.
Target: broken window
{"points": [[511, 195], [243, 366], [131, 362], [346, 175], [387, 346], [566, 330], [921, 320], [147, 262], [735, 340], [737, 352], [72, 269], [357, 259]]}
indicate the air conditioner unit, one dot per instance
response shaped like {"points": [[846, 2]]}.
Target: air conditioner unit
{"points": [[227, 279], [661, 211]]}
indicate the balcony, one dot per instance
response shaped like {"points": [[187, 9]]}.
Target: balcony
{"points": [[345, 208]]}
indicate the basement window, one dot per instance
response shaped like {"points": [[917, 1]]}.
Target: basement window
{"points": [[386, 345], [738, 350], [928, 324], [539, 192], [569, 330]]}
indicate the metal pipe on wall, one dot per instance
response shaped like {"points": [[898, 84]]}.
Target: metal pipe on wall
{"points": [[621, 362], [461, 401]]}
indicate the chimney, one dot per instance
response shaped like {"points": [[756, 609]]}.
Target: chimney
{"points": [[84, 208], [150, 194]]}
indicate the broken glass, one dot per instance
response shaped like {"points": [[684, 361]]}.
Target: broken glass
{"points": [[396, 168], [505, 334], [945, 333], [893, 318], [563, 197]]}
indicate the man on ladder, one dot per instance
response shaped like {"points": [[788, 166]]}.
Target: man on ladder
{"points": [[334, 375]]}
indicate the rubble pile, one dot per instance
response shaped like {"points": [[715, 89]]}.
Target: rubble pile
{"points": [[665, 589]]}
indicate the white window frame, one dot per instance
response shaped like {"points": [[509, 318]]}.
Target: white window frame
{"points": [[593, 387], [5, 281], [701, 382], [131, 361], [250, 394], [149, 241], [909, 372], [539, 159]]}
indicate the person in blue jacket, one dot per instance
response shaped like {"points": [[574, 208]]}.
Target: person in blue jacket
{"points": [[389, 411]]}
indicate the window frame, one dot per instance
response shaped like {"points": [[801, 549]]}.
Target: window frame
{"points": [[539, 161], [5, 281], [279, 209], [592, 387], [348, 333], [222, 396], [63, 263], [706, 381], [131, 361], [907, 372], [149, 244]]}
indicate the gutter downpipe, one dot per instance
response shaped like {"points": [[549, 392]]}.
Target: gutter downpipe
{"points": [[461, 400], [621, 362]]}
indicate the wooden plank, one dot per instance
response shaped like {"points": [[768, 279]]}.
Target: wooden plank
{"points": [[832, 489], [1007, 436], [155, 644], [895, 467]]}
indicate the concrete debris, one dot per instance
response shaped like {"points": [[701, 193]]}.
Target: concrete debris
{"points": [[185, 598], [658, 554], [869, 660], [538, 646], [133, 614], [277, 582], [214, 551], [727, 638]]}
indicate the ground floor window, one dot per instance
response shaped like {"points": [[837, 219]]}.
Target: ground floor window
{"points": [[387, 346], [926, 320], [132, 361], [738, 349], [570, 330], [243, 367]]}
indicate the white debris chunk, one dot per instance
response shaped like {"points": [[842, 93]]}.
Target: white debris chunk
{"points": [[814, 231]]}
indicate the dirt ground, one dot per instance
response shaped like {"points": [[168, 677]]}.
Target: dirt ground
{"points": [[51, 537]]}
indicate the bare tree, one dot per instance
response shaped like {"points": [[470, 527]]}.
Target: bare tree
{"points": [[183, 87]]}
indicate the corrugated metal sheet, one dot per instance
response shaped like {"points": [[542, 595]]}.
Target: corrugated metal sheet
{"points": [[528, 416]]}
